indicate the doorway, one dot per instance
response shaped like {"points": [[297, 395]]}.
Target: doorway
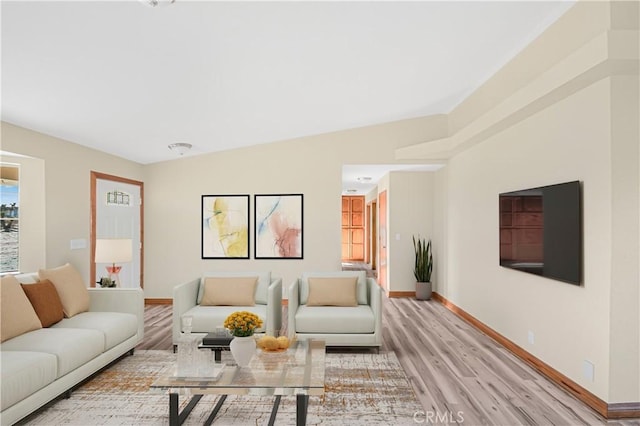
{"points": [[371, 253], [382, 235], [117, 212], [353, 231]]}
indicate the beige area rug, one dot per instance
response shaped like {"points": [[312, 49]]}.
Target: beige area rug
{"points": [[361, 388]]}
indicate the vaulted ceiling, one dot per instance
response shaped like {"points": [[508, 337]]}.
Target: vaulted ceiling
{"points": [[130, 79]]}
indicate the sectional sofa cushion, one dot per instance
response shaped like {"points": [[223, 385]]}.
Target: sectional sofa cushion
{"points": [[334, 319], [361, 286], [116, 327], [332, 291], [16, 313], [73, 347], [71, 289], [229, 291], [205, 319], [23, 373], [262, 288], [45, 301]]}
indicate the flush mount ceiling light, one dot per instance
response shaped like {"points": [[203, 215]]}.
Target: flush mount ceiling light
{"points": [[364, 179], [155, 3], [180, 147]]}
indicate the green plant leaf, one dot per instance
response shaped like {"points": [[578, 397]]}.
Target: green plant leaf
{"points": [[423, 265]]}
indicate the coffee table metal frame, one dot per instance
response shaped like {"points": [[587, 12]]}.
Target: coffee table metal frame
{"points": [[299, 371]]}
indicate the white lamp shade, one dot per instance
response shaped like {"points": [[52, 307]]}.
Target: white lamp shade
{"points": [[114, 250]]}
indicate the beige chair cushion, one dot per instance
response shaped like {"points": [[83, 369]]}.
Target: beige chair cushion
{"points": [[45, 301], [332, 291], [72, 291], [262, 288], [361, 287], [16, 313], [229, 291]]}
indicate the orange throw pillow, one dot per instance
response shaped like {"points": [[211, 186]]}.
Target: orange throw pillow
{"points": [[45, 301]]}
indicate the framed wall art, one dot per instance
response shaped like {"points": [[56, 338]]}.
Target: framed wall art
{"points": [[225, 226], [278, 226]]}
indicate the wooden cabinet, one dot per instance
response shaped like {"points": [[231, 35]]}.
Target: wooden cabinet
{"points": [[353, 228]]}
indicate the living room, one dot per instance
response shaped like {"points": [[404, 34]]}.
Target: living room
{"points": [[564, 109]]}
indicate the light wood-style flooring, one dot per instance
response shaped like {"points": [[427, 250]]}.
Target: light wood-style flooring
{"points": [[457, 372]]}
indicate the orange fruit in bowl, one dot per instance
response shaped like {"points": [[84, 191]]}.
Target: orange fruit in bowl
{"points": [[268, 342], [283, 342]]}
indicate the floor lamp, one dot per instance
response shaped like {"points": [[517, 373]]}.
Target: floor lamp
{"points": [[114, 250]]}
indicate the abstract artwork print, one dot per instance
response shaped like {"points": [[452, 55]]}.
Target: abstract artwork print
{"points": [[278, 226], [225, 226]]}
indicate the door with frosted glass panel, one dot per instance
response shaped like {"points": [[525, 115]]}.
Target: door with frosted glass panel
{"points": [[118, 207]]}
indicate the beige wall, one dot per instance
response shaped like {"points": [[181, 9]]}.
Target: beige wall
{"points": [[440, 231], [409, 213], [625, 273], [570, 323], [311, 166], [67, 204], [173, 189], [565, 109], [409, 200]]}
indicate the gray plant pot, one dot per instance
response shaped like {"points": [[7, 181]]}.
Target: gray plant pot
{"points": [[423, 291]]}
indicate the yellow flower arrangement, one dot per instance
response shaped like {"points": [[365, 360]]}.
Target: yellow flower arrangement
{"points": [[242, 323]]}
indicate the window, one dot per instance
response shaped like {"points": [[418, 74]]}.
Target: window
{"points": [[9, 218]]}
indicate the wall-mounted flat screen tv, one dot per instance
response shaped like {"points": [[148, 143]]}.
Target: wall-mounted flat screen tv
{"points": [[541, 231]]}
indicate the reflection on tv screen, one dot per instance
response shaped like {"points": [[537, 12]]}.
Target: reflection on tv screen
{"points": [[541, 231]]}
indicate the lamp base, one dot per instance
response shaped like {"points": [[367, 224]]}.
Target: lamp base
{"points": [[114, 273]]}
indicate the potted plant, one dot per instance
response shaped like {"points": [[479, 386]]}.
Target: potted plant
{"points": [[422, 268]]}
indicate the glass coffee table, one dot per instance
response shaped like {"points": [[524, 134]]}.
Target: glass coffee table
{"points": [[297, 371]]}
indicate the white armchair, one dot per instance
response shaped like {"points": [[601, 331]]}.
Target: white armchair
{"points": [[218, 290], [356, 325]]}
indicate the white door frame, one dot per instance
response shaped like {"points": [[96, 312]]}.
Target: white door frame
{"points": [[94, 177]]}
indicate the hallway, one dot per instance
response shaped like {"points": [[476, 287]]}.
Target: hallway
{"points": [[360, 266]]}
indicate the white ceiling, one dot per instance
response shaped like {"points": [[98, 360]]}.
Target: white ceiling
{"points": [[129, 79]]}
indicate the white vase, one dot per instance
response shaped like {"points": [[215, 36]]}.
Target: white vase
{"points": [[242, 349]]}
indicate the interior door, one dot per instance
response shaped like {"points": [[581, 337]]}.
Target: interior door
{"points": [[382, 247], [374, 235], [353, 228], [367, 229], [117, 212]]}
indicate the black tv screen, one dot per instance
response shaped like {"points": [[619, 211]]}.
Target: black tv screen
{"points": [[541, 231]]}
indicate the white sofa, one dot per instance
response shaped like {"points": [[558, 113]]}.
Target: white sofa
{"points": [[359, 325], [187, 298], [40, 365]]}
